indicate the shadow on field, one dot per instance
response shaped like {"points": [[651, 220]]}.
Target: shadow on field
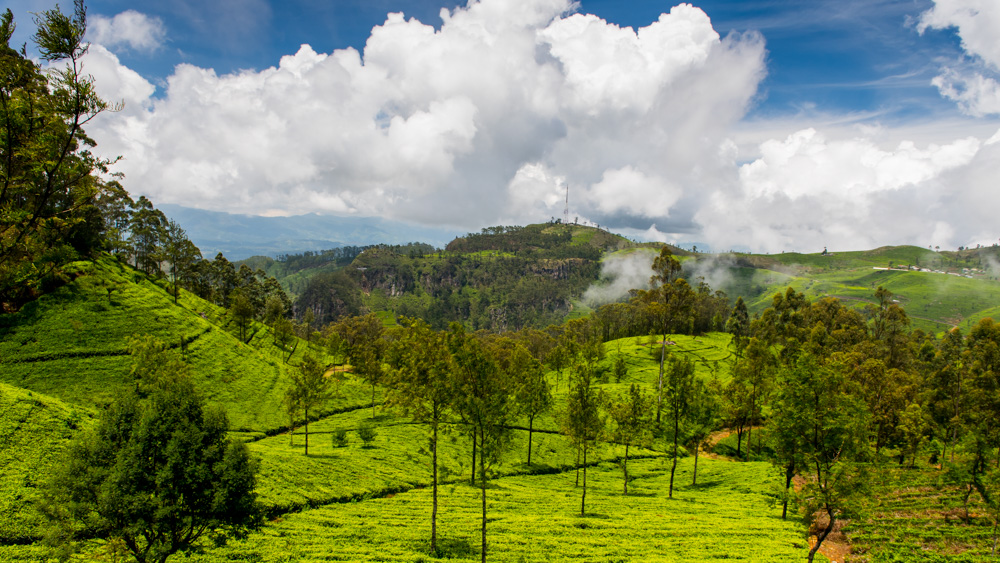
{"points": [[640, 494], [702, 485], [455, 548], [590, 516]]}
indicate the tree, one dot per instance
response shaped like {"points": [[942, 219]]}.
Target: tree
{"points": [[755, 373], [423, 388], [158, 471], [147, 235], [365, 348], [483, 400], [310, 389], [739, 326], [582, 421], [821, 426], [679, 395], [181, 252], [531, 389], [49, 178], [702, 417], [242, 310], [630, 412]]}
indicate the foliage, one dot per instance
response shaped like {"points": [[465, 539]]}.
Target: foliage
{"points": [[49, 179], [310, 388], [158, 472]]}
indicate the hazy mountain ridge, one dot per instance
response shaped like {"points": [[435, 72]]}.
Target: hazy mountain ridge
{"points": [[243, 236]]}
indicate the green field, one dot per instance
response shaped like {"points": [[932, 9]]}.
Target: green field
{"points": [[64, 355]]}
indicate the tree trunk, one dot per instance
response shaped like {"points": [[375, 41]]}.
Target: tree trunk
{"points": [[474, 436], [749, 436], [674, 467], [482, 484], [739, 441], [694, 479], [821, 537], [625, 467], [434, 506], [789, 473], [583, 498], [373, 401], [659, 384], [577, 484], [307, 431], [531, 421]]}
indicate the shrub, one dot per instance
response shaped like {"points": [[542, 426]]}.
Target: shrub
{"points": [[367, 433], [339, 438]]}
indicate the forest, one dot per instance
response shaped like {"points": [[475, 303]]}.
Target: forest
{"points": [[403, 402]]}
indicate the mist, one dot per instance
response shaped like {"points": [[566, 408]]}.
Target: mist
{"points": [[619, 274], [716, 271]]}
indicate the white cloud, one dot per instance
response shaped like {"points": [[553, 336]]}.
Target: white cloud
{"points": [[851, 192], [978, 24], [487, 118], [633, 192], [129, 29]]}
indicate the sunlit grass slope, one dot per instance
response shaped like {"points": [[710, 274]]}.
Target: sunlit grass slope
{"points": [[34, 431], [72, 344], [912, 515], [537, 518]]}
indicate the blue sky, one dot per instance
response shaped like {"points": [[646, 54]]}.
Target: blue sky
{"points": [[772, 124], [839, 56]]}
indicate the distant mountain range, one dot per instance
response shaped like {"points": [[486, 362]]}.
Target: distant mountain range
{"points": [[242, 236]]}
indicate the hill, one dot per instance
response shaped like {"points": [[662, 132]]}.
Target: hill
{"points": [[503, 278], [72, 344], [937, 290]]}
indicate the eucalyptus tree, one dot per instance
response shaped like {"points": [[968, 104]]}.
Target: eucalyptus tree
{"points": [[820, 430], [754, 373], [531, 388], [583, 422], [680, 389], [310, 389], [423, 387], [631, 412], [483, 399], [365, 346]]}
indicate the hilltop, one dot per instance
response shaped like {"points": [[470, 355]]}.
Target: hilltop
{"points": [[938, 290]]}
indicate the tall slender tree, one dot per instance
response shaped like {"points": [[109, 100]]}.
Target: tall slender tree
{"points": [[484, 402], [310, 389], [423, 387], [631, 413]]}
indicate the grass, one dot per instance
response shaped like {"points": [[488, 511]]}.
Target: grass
{"points": [[356, 502], [72, 344], [914, 516], [34, 431], [537, 518]]}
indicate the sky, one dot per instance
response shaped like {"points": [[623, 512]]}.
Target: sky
{"points": [[768, 125]]}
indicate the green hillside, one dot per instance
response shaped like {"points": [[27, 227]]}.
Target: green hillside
{"points": [[72, 344], [34, 431], [951, 294]]}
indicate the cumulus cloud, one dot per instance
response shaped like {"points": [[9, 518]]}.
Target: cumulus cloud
{"points": [[973, 86], [807, 191], [488, 118], [129, 29], [493, 116]]}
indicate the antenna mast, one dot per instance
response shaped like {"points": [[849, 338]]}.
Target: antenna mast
{"points": [[566, 209]]}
